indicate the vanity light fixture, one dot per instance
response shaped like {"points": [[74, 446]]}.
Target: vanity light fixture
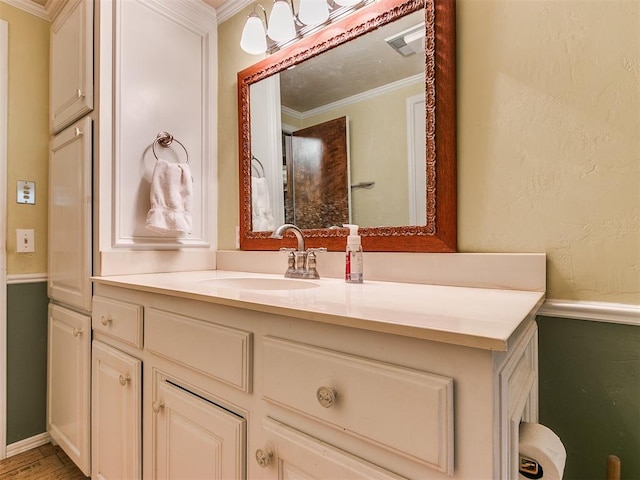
{"points": [[284, 25], [254, 40]]}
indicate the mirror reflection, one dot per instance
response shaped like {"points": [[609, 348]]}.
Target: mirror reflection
{"points": [[340, 137]]}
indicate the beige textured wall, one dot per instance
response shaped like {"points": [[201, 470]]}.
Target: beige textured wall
{"points": [[231, 59], [549, 150], [549, 143], [28, 133]]}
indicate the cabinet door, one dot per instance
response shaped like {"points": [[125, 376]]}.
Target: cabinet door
{"points": [[116, 414], [68, 377], [70, 216], [194, 438], [71, 63]]}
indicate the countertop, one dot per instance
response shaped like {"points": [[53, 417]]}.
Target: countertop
{"points": [[475, 317]]}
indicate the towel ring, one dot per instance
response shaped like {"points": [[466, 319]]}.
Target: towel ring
{"points": [[165, 139]]}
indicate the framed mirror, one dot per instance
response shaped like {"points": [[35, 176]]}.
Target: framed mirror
{"points": [[278, 106]]}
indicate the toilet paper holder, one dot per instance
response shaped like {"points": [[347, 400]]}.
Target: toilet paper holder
{"points": [[529, 468]]}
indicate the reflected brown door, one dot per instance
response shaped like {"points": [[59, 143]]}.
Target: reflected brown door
{"points": [[320, 175]]}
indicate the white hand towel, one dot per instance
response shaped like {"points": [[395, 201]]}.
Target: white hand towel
{"points": [[171, 191], [261, 215]]}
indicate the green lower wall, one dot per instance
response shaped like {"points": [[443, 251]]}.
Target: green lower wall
{"points": [[26, 360], [590, 393]]}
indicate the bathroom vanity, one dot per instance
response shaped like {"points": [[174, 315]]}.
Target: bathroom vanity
{"points": [[219, 374]]}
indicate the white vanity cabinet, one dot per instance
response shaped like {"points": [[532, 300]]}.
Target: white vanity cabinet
{"points": [[269, 394], [68, 383], [71, 87]]}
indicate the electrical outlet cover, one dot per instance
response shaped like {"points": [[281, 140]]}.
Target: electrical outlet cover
{"points": [[26, 192]]}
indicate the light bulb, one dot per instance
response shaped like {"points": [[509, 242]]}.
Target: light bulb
{"points": [[347, 3], [281, 26], [253, 40], [313, 12]]}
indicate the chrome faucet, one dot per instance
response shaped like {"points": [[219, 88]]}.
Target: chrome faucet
{"points": [[301, 262], [282, 229]]}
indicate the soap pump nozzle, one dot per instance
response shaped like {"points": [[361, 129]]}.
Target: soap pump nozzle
{"points": [[353, 237]]}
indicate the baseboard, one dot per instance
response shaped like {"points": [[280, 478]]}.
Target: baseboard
{"points": [[599, 312], [27, 444]]}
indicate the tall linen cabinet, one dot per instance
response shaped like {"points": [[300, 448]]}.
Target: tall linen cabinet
{"points": [[121, 73]]}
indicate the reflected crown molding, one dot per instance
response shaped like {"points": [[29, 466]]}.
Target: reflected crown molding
{"points": [[420, 78]]}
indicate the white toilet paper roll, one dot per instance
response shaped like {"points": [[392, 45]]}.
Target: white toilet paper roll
{"points": [[540, 444]]}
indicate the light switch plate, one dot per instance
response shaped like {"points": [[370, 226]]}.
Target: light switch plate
{"points": [[26, 192], [25, 241]]}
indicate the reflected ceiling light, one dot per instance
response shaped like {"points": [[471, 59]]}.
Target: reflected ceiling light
{"points": [[409, 41], [284, 25]]}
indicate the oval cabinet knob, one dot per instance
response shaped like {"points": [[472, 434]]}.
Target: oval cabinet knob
{"points": [[124, 380], [326, 396], [79, 93], [105, 320], [264, 457], [77, 332], [157, 406]]}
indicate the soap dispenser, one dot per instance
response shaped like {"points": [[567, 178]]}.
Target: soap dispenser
{"points": [[353, 258]]}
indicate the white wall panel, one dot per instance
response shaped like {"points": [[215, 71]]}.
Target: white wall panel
{"points": [[164, 80]]}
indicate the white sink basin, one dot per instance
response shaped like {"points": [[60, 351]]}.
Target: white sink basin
{"points": [[254, 283]]}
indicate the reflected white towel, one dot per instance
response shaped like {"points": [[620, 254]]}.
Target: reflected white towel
{"points": [[261, 215], [171, 191]]}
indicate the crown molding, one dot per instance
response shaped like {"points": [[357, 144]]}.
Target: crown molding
{"points": [[30, 7], [230, 8], [54, 7]]}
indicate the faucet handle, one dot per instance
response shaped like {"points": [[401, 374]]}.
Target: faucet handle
{"points": [[311, 271], [286, 249]]}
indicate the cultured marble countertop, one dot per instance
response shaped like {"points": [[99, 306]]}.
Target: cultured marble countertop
{"points": [[475, 317]]}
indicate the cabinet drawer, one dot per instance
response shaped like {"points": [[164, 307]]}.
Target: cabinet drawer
{"points": [[300, 456], [409, 412], [220, 352], [118, 319]]}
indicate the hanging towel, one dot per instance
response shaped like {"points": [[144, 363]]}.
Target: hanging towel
{"points": [[171, 191], [261, 216]]}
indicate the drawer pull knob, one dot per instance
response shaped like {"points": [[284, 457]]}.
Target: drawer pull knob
{"points": [[77, 332], [79, 93], [157, 406], [264, 457], [124, 380], [326, 396], [105, 320]]}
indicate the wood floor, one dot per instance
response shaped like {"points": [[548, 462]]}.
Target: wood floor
{"points": [[47, 462]]}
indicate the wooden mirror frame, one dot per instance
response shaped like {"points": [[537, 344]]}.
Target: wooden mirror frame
{"points": [[440, 233]]}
